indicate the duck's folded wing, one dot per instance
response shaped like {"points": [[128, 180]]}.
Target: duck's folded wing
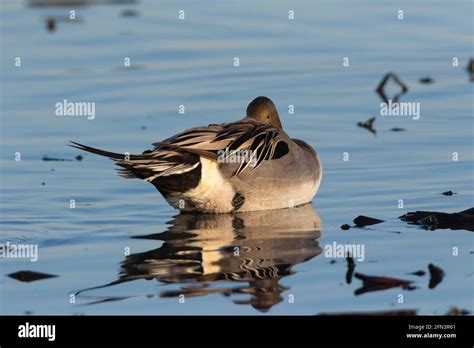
{"points": [[260, 141]]}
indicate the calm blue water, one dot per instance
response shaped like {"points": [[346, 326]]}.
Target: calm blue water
{"points": [[282, 268]]}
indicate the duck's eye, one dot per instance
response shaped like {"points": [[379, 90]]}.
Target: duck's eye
{"points": [[268, 117]]}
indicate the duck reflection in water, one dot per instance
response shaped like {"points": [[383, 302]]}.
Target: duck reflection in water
{"points": [[258, 248]]}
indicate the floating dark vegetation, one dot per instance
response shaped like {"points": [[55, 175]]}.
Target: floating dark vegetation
{"points": [[389, 313], [449, 193], [362, 221], [432, 220], [46, 158], [429, 220], [470, 68], [55, 159], [426, 80], [377, 283], [397, 129], [419, 273], [389, 77], [381, 88], [453, 311], [51, 24], [30, 276], [350, 269], [369, 125], [436, 275]]}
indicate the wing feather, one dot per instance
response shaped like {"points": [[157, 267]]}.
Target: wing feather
{"points": [[247, 134]]}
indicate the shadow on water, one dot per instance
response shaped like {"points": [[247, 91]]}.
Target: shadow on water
{"points": [[247, 253]]}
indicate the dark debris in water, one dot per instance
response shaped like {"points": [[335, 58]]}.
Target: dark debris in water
{"points": [[56, 159], [377, 283], [436, 275], [389, 313], [419, 273], [449, 193], [51, 24], [381, 88], [426, 80], [432, 220], [350, 269], [362, 221], [46, 158], [470, 66], [397, 129], [369, 125], [30, 276]]}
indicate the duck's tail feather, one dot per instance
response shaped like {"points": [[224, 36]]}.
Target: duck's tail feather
{"points": [[111, 155], [150, 165]]}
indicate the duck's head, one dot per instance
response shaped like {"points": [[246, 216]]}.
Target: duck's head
{"points": [[263, 110]]}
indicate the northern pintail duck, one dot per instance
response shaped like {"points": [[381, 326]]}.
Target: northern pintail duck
{"points": [[247, 165]]}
